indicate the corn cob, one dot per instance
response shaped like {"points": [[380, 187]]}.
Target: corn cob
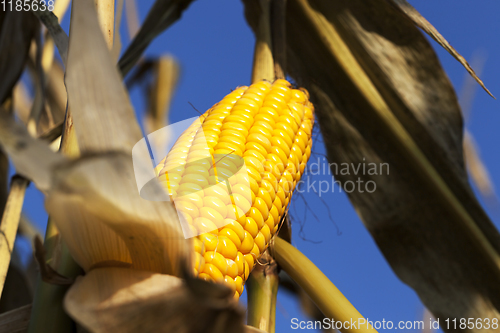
{"points": [[265, 129]]}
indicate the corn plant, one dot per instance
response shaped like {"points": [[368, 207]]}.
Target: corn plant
{"points": [[136, 242]]}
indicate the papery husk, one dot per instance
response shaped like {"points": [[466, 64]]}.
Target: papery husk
{"points": [[104, 221], [125, 300], [381, 96], [102, 115]]}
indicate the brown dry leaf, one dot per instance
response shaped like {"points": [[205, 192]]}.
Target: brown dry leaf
{"points": [[381, 96], [97, 208], [102, 115], [17, 29], [166, 74], [162, 14], [126, 300], [423, 24]]}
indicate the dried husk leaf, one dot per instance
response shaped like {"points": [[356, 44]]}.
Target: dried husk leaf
{"points": [[423, 24], [382, 97], [104, 221], [102, 115], [162, 14], [126, 300], [17, 29]]}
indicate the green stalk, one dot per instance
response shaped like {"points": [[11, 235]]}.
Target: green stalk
{"points": [[48, 314], [320, 289], [262, 291]]}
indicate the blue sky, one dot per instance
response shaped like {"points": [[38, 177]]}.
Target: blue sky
{"points": [[214, 46]]}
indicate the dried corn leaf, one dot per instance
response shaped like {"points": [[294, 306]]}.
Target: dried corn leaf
{"points": [[17, 29], [423, 24], [162, 14], [125, 300], [166, 75], [102, 115], [382, 97]]}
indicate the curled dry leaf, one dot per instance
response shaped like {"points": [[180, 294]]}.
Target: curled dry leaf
{"points": [[423, 24], [384, 101], [124, 300]]}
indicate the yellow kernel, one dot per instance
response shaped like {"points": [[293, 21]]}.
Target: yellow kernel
{"points": [[266, 232], [235, 126], [217, 259], [266, 197], [239, 284], [219, 191], [280, 153], [240, 260], [226, 142], [270, 222], [213, 272], [206, 277], [271, 179], [254, 153], [229, 282], [242, 202], [260, 240], [231, 234], [261, 205], [236, 227], [256, 216], [226, 247], [187, 207], [199, 262], [215, 203], [235, 213], [270, 166], [260, 139], [209, 240], [198, 245], [274, 213], [290, 121], [281, 133], [247, 244], [191, 197], [251, 226], [204, 225], [250, 259], [212, 215], [254, 173], [261, 128], [243, 190], [251, 145], [195, 179], [232, 268], [255, 252]]}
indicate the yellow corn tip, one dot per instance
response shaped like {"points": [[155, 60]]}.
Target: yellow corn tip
{"points": [[266, 126]]}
